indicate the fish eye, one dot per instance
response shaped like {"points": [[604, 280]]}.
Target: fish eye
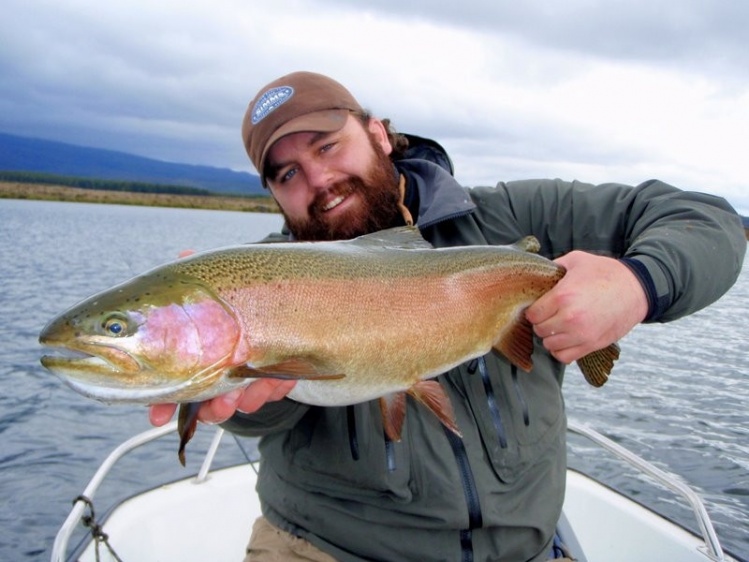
{"points": [[115, 325]]}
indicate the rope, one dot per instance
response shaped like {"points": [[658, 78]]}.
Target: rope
{"points": [[97, 532]]}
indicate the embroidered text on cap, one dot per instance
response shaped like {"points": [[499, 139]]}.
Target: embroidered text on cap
{"points": [[269, 101]]}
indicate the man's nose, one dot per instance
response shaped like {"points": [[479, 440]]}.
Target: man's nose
{"points": [[319, 175]]}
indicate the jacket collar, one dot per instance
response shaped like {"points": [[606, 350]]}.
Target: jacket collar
{"points": [[441, 197]]}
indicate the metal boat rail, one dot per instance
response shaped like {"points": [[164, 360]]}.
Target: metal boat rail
{"points": [[712, 547], [60, 546]]}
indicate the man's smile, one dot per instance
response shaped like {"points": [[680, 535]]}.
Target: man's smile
{"points": [[333, 203]]}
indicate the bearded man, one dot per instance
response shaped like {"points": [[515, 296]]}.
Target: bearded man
{"points": [[331, 485]]}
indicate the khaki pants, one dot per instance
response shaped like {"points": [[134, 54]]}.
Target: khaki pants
{"points": [[270, 544]]}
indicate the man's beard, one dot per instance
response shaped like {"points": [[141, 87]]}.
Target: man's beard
{"points": [[380, 197]]}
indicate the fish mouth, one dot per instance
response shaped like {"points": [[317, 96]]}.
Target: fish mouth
{"points": [[103, 379], [86, 360], [77, 363]]}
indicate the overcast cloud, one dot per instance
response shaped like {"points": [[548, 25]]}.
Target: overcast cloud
{"points": [[607, 91]]}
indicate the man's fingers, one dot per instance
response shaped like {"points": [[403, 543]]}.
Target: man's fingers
{"points": [[596, 303], [542, 310], [160, 414], [219, 409], [262, 391]]}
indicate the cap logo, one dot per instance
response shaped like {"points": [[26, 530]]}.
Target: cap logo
{"points": [[269, 101]]}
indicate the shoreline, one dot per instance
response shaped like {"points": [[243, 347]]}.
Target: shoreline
{"points": [[44, 192], [49, 192]]}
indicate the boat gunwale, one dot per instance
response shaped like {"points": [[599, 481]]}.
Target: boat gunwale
{"points": [[711, 545]]}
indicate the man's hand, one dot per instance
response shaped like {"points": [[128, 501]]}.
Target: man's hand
{"points": [[596, 303], [219, 409]]}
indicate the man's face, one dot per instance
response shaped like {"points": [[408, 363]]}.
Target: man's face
{"points": [[336, 185]]}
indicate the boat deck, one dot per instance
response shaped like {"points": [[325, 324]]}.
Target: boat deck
{"points": [[209, 516]]}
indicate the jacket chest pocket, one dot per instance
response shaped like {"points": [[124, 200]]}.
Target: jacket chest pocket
{"points": [[343, 451], [517, 414]]}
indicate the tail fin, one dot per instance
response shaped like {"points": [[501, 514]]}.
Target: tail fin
{"points": [[597, 366]]}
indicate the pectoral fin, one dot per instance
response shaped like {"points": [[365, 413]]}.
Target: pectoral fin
{"points": [[597, 366], [187, 422], [291, 369]]}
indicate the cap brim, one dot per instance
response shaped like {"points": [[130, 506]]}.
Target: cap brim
{"points": [[326, 121]]}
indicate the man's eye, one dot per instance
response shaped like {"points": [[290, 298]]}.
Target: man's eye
{"points": [[288, 175], [327, 146]]}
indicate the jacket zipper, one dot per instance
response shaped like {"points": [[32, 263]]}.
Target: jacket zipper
{"points": [[353, 441], [475, 519], [521, 398], [492, 403], [353, 438]]}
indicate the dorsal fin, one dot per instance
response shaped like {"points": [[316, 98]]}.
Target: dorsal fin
{"points": [[528, 244], [402, 237]]}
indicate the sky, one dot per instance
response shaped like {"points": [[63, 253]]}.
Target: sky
{"points": [[613, 90]]}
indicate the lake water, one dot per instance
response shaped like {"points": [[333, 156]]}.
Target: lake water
{"points": [[678, 395]]}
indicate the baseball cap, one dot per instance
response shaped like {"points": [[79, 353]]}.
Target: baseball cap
{"points": [[297, 102]]}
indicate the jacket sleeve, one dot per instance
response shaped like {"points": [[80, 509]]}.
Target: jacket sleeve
{"points": [[686, 248], [273, 416]]}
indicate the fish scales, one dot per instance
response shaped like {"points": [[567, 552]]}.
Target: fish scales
{"points": [[293, 298], [351, 321]]}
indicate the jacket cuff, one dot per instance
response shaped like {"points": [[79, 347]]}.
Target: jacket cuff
{"points": [[653, 282]]}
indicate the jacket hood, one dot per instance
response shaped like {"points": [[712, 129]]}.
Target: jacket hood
{"points": [[441, 197]]}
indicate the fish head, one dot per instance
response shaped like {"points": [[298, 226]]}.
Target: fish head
{"points": [[158, 337]]}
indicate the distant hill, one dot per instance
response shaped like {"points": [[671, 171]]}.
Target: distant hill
{"points": [[38, 155]]}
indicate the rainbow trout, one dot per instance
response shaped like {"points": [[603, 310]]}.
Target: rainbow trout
{"points": [[378, 316]]}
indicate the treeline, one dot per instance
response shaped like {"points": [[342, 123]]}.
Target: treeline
{"points": [[101, 184]]}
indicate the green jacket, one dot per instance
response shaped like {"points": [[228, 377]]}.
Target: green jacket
{"points": [[330, 476]]}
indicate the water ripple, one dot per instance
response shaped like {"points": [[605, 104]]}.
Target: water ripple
{"points": [[677, 396]]}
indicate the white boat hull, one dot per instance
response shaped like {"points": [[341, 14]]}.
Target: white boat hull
{"points": [[209, 517]]}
